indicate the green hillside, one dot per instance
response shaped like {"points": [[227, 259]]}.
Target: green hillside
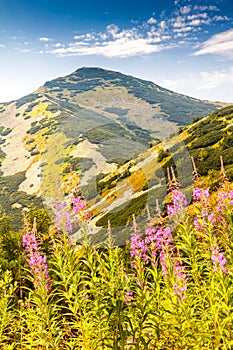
{"points": [[205, 140], [98, 121]]}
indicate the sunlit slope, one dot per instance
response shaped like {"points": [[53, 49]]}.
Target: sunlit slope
{"points": [[94, 119], [134, 187]]}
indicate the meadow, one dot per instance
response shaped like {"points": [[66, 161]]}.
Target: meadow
{"points": [[170, 287]]}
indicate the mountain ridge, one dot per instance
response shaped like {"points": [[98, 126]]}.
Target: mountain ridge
{"points": [[96, 122]]}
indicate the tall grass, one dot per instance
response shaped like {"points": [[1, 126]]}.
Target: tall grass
{"points": [[170, 287]]}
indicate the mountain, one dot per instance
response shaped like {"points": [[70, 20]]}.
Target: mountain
{"points": [[97, 120]]}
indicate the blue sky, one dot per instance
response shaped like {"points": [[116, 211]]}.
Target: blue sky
{"points": [[186, 46]]}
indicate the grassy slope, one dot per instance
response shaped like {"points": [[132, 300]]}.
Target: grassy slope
{"points": [[206, 140]]}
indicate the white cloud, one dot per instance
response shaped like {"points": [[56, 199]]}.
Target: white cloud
{"points": [[103, 36], [195, 22], [45, 39], [122, 47], [221, 18], [162, 24], [185, 10], [186, 23], [198, 22], [117, 43], [58, 45], [211, 80], [183, 30], [219, 44], [89, 37], [211, 85], [151, 20], [25, 50], [2, 46], [112, 29], [199, 15], [141, 39], [179, 22], [213, 8], [78, 37], [204, 8]]}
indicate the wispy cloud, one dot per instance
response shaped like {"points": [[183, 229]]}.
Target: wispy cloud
{"points": [[212, 82], [151, 20], [25, 50], [219, 44], [156, 34], [192, 19], [221, 18], [116, 42], [58, 45], [121, 47], [204, 80], [185, 10], [205, 8], [45, 39], [2, 46]]}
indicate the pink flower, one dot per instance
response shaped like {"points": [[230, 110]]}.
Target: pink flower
{"points": [[200, 194], [36, 260], [219, 261], [176, 209]]}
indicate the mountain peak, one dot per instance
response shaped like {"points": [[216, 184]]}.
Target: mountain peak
{"points": [[97, 72], [116, 86]]}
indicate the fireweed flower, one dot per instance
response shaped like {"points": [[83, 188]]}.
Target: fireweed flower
{"points": [[138, 250], [36, 259], [128, 297], [180, 285], [164, 244], [157, 246], [205, 216], [200, 194], [63, 218], [219, 261], [70, 213], [157, 242], [225, 200], [78, 205], [177, 208]]}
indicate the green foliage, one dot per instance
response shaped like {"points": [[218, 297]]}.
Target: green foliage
{"points": [[9, 195], [196, 119], [108, 297], [207, 140], [27, 99], [4, 131], [123, 215], [211, 138], [162, 154], [105, 132], [117, 110], [30, 107]]}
